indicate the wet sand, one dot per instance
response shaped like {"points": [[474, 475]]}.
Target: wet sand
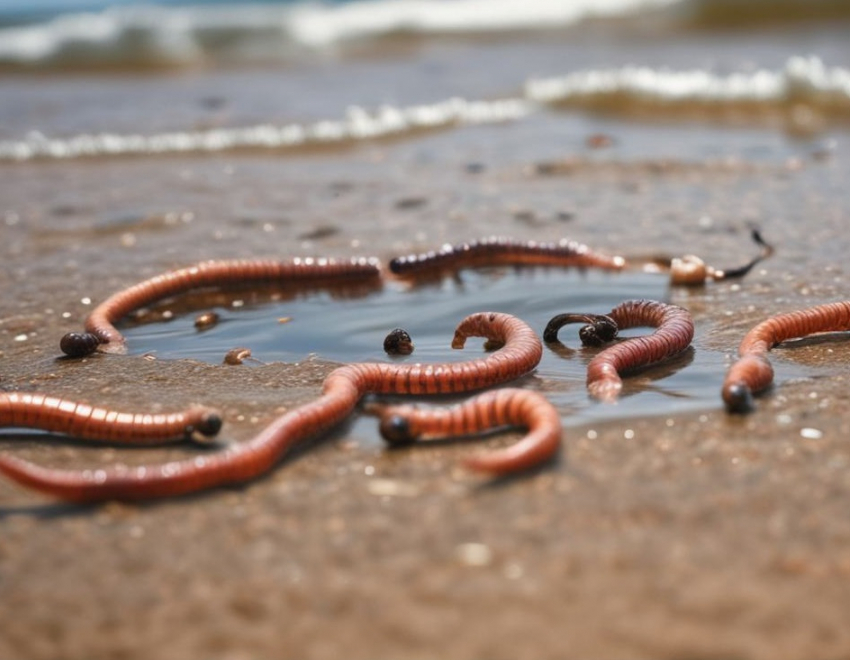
{"points": [[674, 536]]}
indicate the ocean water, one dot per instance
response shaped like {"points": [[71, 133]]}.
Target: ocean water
{"points": [[89, 79]]}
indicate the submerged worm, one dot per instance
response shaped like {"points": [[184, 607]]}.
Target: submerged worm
{"points": [[503, 407], [80, 420], [503, 251], [753, 372], [341, 391], [101, 322], [673, 334]]}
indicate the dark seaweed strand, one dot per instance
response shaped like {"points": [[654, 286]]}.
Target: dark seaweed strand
{"points": [[741, 271]]}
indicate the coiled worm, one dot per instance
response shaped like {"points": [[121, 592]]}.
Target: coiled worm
{"points": [[341, 391], [674, 331], [752, 372], [404, 424]]}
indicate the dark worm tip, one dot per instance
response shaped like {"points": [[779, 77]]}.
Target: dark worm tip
{"points": [[79, 344], [395, 429], [210, 425], [738, 398], [601, 331], [398, 342]]}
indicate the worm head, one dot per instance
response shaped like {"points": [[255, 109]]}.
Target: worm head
{"points": [[79, 344], [738, 398], [209, 425], [395, 429], [602, 330]]}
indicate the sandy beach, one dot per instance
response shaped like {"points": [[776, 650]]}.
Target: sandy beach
{"points": [[666, 528]]}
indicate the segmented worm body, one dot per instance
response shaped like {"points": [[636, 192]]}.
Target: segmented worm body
{"points": [[80, 420], [503, 251], [341, 391], [753, 373], [101, 322], [503, 407], [674, 331]]}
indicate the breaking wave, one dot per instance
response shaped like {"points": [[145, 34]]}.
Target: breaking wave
{"points": [[805, 87]]}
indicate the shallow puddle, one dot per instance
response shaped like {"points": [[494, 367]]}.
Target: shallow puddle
{"points": [[350, 326]]}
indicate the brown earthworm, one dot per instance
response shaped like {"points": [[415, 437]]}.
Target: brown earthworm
{"points": [[503, 251], [341, 391], [80, 420], [101, 322], [673, 334], [753, 373], [503, 407]]}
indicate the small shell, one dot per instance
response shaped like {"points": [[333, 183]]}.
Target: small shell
{"points": [[206, 320], [689, 270], [237, 355]]}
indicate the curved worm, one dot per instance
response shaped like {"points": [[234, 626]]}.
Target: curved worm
{"points": [[101, 322], [753, 373], [80, 420], [674, 330], [503, 407], [503, 251], [341, 391]]}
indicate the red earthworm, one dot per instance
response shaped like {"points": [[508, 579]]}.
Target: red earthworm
{"points": [[101, 322], [503, 251], [341, 391], [673, 334], [503, 407], [753, 373], [80, 420]]}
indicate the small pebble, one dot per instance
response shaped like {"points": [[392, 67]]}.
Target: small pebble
{"points": [[206, 320]]}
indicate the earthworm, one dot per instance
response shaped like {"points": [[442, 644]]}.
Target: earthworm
{"points": [[503, 251], [101, 322], [673, 334], [502, 407], [341, 391], [753, 373], [80, 420]]}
